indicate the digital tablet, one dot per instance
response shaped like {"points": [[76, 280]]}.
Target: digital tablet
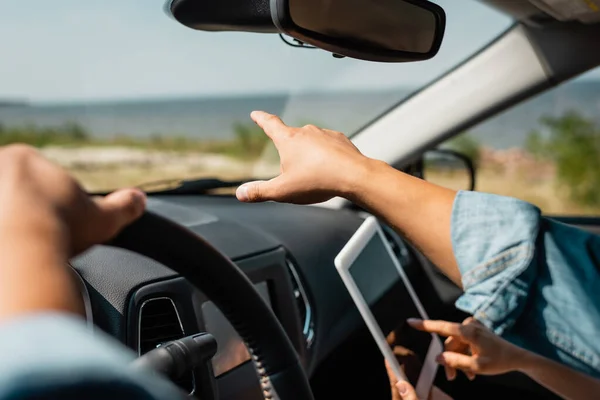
{"points": [[385, 298]]}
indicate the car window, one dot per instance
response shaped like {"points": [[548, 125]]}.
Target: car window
{"points": [[120, 94], [545, 151]]}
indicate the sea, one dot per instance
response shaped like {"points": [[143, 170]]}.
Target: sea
{"points": [[215, 118]]}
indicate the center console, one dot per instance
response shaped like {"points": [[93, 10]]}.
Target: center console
{"points": [[171, 309]]}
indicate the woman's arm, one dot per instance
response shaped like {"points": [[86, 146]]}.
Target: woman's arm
{"points": [[474, 349], [560, 379]]}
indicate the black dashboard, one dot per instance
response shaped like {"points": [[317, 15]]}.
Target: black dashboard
{"points": [[287, 252]]}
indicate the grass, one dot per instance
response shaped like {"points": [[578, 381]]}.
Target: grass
{"points": [[544, 193], [237, 154], [240, 152], [247, 143], [106, 179]]}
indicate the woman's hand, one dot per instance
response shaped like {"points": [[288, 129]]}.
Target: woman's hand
{"points": [[402, 390], [316, 164], [472, 348]]}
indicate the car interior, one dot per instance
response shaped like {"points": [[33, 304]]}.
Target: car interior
{"points": [[260, 277]]}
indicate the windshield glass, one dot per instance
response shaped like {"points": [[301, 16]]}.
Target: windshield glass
{"points": [[120, 94]]}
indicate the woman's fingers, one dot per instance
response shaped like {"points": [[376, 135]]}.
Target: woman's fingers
{"points": [[454, 345], [407, 392], [450, 345], [458, 361], [443, 328]]}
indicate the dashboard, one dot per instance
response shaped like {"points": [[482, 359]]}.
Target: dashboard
{"points": [[287, 251]]}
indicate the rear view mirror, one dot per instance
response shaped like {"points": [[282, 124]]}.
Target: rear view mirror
{"points": [[373, 30]]}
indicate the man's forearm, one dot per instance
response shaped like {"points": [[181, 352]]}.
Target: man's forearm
{"points": [[560, 379], [35, 277], [418, 210]]}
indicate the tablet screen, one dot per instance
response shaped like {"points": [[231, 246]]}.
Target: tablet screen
{"points": [[382, 287]]}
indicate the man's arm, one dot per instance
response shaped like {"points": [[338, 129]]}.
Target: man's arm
{"points": [[506, 257], [45, 219], [319, 164], [418, 210], [47, 350]]}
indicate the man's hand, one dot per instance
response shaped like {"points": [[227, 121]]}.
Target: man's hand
{"points": [[472, 348], [319, 164], [316, 164], [45, 219]]}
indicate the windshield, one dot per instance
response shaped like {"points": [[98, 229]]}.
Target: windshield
{"points": [[120, 94]]}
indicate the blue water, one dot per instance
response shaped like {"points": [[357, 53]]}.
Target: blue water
{"points": [[204, 118], [215, 118]]}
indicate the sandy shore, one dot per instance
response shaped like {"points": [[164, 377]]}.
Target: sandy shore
{"points": [[110, 157], [101, 169], [105, 168]]}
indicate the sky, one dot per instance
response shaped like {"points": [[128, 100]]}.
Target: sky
{"points": [[74, 50]]}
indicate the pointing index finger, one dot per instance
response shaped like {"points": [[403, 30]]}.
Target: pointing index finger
{"points": [[443, 328], [271, 124]]}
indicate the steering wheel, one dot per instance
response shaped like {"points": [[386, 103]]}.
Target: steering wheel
{"points": [[278, 365]]}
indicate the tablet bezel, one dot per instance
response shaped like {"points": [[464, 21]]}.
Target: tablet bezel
{"points": [[343, 262]]}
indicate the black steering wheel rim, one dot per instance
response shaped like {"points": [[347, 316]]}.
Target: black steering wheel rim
{"points": [[278, 365]]}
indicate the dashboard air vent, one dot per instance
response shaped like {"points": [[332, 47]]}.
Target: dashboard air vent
{"points": [[303, 305], [159, 323]]}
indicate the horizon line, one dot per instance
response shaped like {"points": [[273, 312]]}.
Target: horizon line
{"points": [[23, 102]]}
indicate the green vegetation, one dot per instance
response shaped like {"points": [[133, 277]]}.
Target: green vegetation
{"points": [[466, 144], [248, 142], [68, 134], [572, 143]]}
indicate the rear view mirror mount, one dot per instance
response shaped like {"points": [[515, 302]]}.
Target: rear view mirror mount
{"points": [[381, 30]]}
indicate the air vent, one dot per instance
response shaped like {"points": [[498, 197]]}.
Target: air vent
{"points": [[159, 323], [303, 305]]}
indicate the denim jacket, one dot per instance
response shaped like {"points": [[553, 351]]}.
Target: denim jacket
{"points": [[532, 280], [55, 356]]}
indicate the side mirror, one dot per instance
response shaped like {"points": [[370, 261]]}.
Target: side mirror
{"points": [[385, 30], [448, 168]]}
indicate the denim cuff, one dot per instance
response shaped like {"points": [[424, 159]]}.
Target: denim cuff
{"points": [[494, 242], [54, 355]]}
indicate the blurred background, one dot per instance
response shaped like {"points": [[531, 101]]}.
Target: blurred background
{"points": [[120, 94]]}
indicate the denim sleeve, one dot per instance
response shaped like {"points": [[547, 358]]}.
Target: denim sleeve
{"points": [[532, 280], [56, 356], [493, 239]]}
